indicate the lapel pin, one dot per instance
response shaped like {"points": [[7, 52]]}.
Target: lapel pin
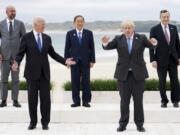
{"points": [[74, 34], [136, 37]]}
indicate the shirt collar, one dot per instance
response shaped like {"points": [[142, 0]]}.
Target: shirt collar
{"points": [[163, 26], [131, 36], [10, 21], [79, 31], [35, 33]]}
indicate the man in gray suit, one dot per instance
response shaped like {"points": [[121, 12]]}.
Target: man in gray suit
{"points": [[130, 71], [11, 32]]}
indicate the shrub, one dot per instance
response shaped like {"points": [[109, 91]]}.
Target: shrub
{"points": [[111, 85]]}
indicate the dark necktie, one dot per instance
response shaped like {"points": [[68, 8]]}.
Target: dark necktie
{"points": [[10, 28], [79, 37], [166, 34], [39, 42]]}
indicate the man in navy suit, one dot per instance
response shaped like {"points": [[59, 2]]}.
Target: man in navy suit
{"points": [[166, 58], [80, 46], [37, 45]]}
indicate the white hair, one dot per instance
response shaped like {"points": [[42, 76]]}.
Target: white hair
{"points": [[127, 23], [37, 20]]}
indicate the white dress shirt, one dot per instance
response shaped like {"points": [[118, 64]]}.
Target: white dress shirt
{"points": [[167, 29], [8, 23], [131, 40], [36, 37], [77, 31], [131, 43]]}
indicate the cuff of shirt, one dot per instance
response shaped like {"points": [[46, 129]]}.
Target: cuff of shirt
{"points": [[105, 44]]}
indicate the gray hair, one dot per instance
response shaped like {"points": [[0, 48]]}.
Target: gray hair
{"points": [[37, 20], [127, 23]]}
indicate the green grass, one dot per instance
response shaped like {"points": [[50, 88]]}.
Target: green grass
{"points": [[111, 85]]}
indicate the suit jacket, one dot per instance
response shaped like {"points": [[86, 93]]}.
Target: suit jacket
{"points": [[10, 43], [37, 61], [163, 50], [83, 52], [135, 60]]}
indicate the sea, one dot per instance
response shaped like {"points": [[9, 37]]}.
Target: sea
{"points": [[58, 41]]}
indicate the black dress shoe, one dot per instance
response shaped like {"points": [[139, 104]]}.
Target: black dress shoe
{"points": [[31, 127], [121, 129], [16, 104], [3, 103], [45, 127], [141, 129], [75, 105], [85, 104], [163, 105], [176, 104]]}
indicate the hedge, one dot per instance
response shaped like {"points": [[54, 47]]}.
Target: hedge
{"points": [[111, 85], [23, 85]]}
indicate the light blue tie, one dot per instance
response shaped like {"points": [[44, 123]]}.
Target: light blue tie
{"points": [[129, 45], [39, 42], [79, 37]]}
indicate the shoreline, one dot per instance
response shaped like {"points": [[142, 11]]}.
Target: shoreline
{"points": [[118, 31]]}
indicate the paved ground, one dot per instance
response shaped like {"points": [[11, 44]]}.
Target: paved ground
{"points": [[89, 129]]}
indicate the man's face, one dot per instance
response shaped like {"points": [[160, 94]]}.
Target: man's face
{"points": [[40, 26], [79, 23], [128, 30], [11, 13], [165, 18]]}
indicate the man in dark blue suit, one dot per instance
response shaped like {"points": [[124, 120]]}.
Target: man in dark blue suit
{"points": [[80, 47]]}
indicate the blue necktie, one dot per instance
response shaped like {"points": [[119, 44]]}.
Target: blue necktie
{"points": [[79, 37], [129, 45], [39, 42]]}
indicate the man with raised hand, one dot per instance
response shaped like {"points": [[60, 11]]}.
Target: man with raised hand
{"points": [[130, 71]]}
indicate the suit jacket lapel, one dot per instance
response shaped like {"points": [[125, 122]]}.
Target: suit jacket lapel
{"points": [[5, 25], [34, 42], [15, 25], [75, 36], [134, 42], [162, 33], [83, 36], [43, 42], [171, 32]]}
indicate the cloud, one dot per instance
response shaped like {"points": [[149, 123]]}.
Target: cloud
{"points": [[62, 10]]}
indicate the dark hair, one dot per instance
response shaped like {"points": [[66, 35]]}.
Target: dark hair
{"points": [[163, 11], [77, 16]]}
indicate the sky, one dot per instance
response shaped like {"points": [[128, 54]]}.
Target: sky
{"points": [[92, 10]]}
